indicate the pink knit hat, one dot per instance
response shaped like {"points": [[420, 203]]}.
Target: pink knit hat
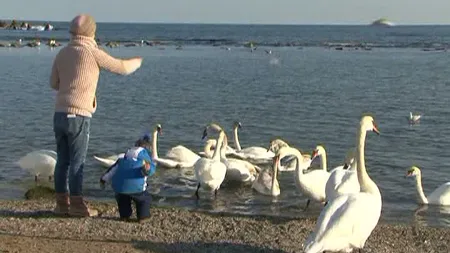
{"points": [[84, 25]]}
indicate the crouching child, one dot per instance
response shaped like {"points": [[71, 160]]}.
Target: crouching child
{"points": [[128, 178]]}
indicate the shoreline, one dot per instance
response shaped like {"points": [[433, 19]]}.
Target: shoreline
{"points": [[28, 225]]}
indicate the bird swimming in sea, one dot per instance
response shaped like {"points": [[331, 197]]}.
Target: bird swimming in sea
{"points": [[414, 118]]}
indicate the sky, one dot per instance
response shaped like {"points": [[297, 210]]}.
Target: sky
{"points": [[233, 11]]}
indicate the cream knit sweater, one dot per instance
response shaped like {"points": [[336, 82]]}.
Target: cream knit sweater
{"points": [[75, 74]]}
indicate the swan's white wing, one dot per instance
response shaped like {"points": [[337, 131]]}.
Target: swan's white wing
{"points": [[441, 195], [105, 162], [182, 154], [238, 170], [38, 162], [345, 223], [349, 183], [263, 183], [167, 163], [312, 184]]}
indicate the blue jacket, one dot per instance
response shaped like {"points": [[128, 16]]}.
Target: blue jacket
{"points": [[128, 174]]}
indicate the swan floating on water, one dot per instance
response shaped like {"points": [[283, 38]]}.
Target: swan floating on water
{"points": [[237, 170], [255, 154], [347, 221], [414, 118], [108, 161], [166, 161], [266, 182], [39, 163], [440, 196]]}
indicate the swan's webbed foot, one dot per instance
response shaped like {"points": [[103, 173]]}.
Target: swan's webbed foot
{"points": [[196, 192], [307, 204], [215, 193]]}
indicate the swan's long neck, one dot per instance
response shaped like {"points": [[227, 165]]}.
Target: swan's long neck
{"points": [[207, 149], [224, 148], [236, 139], [154, 145], [323, 161], [422, 198], [216, 155], [274, 177], [367, 185]]}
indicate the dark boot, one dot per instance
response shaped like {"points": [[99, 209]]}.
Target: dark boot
{"points": [[62, 204], [78, 208]]}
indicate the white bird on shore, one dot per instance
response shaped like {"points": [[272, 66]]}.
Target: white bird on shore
{"points": [[39, 163], [348, 220]]}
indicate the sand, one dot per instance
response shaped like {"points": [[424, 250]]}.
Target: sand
{"points": [[29, 226]]}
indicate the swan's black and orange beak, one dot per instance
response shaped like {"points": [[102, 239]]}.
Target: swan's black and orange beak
{"points": [[314, 154], [375, 128], [346, 166], [159, 129], [205, 133]]}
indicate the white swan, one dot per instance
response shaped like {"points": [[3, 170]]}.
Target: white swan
{"points": [[266, 182], [255, 154], [237, 170], [165, 162], [413, 119], [108, 161], [39, 163], [343, 179], [228, 151], [182, 154], [311, 183], [288, 163], [440, 196], [210, 172], [348, 220]]}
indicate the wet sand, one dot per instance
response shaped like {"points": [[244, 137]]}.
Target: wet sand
{"points": [[29, 226]]}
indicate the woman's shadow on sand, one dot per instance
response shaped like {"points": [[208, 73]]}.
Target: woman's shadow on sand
{"points": [[200, 247]]}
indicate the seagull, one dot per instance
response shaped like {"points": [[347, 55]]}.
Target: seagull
{"points": [[413, 119]]}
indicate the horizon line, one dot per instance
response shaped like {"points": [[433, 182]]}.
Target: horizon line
{"points": [[223, 23]]}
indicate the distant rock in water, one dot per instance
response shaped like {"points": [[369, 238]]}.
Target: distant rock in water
{"points": [[40, 192], [382, 22]]}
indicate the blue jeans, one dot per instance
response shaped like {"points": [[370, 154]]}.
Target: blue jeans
{"points": [[142, 201], [72, 138]]}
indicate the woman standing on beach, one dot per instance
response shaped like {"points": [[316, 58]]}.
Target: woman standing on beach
{"points": [[74, 76]]}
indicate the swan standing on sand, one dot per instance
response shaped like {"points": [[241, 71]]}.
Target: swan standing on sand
{"points": [[237, 170], [267, 183], [40, 163], [210, 172], [343, 179], [440, 196], [348, 220], [256, 154], [311, 183]]}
